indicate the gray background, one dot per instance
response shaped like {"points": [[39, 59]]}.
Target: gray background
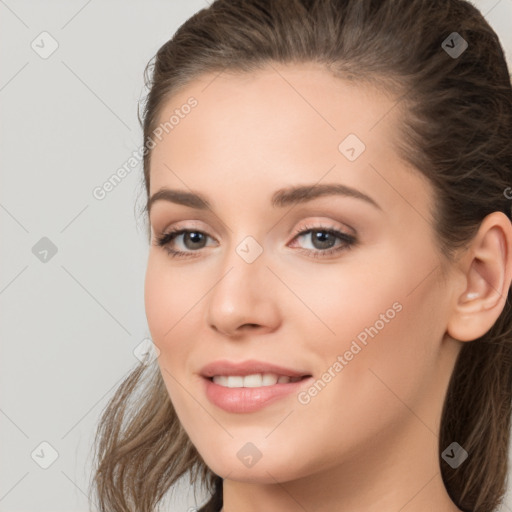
{"points": [[72, 320]]}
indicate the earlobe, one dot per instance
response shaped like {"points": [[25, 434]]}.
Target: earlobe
{"points": [[487, 268]]}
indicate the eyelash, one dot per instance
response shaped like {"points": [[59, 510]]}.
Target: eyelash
{"points": [[348, 241]]}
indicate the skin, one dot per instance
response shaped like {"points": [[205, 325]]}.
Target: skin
{"points": [[369, 440]]}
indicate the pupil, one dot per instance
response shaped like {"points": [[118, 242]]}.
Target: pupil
{"points": [[194, 237], [323, 238]]}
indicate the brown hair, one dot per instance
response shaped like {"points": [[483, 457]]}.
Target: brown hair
{"points": [[456, 130]]}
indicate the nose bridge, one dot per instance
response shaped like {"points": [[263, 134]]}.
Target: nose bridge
{"points": [[243, 293], [244, 272]]}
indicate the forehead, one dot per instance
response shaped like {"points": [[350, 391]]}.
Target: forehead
{"points": [[279, 125], [306, 95]]}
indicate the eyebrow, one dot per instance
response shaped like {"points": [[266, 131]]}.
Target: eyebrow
{"points": [[280, 199]]}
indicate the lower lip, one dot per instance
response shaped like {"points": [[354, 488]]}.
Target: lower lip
{"points": [[241, 400]]}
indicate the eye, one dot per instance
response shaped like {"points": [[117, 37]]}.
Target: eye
{"points": [[325, 241], [192, 240]]}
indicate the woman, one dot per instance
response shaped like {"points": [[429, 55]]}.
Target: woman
{"points": [[330, 263]]}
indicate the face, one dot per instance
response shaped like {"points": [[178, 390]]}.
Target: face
{"points": [[342, 287]]}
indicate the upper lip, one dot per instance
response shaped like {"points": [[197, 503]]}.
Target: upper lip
{"points": [[225, 367]]}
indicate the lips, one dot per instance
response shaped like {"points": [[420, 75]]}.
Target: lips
{"points": [[235, 387]]}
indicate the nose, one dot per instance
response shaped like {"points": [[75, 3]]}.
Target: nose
{"points": [[245, 298]]}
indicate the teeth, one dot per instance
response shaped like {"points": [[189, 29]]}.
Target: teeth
{"points": [[269, 379], [255, 380]]}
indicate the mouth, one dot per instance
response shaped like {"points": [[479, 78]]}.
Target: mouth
{"points": [[250, 385], [254, 380], [256, 373]]}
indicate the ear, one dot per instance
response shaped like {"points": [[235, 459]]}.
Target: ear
{"points": [[487, 269]]}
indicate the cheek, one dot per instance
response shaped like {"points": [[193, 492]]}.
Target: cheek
{"points": [[389, 349], [387, 334], [174, 312], [158, 309], [169, 307], [168, 300], [388, 302]]}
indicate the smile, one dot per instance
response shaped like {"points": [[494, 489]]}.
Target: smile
{"points": [[254, 380]]}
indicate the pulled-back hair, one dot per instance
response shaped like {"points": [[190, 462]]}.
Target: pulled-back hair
{"points": [[456, 131]]}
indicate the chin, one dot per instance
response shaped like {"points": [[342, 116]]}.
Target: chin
{"points": [[266, 470]]}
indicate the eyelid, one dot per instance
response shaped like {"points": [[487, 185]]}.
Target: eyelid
{"points": [[324, 224], [191, 225]]}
